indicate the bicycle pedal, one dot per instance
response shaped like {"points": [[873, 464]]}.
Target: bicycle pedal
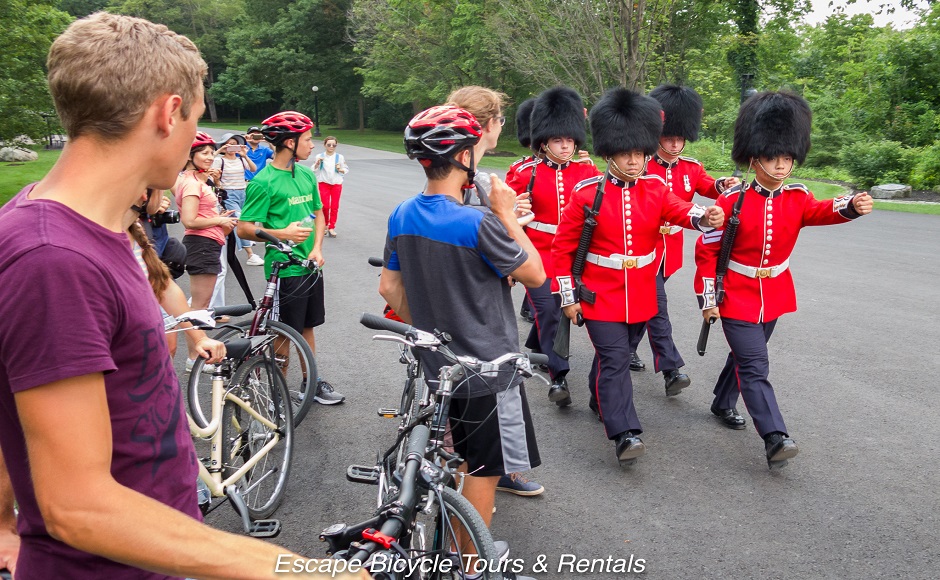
{"points": [[265, 529], [389, 412], [363, 474]]}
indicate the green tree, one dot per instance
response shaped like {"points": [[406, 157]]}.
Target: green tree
{"points": [[81, 8], [279, 54], [29, 27], [205, 22]]}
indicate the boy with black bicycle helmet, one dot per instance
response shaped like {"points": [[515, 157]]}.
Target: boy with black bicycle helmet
{"points": [[445, 267], [279, 197]]}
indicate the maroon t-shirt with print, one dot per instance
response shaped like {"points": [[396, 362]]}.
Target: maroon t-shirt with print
{"points": [[75, 302]]}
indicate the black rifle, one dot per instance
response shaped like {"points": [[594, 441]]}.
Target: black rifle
{"points": [[563, 333], [724, 256]]}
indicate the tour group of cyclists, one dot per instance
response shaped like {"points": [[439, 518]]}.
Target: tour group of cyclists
{"points": [[96, 448]]}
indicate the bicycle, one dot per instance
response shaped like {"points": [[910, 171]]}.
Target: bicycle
{"points": [[294, 355], [413, 534], [249, 429]]}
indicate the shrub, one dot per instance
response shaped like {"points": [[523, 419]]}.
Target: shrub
{"points": [[714, 155], [389, 117], [926, 172], [870, 163]]}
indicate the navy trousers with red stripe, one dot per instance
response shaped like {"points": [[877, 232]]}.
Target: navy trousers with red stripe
{"points": [[665, 354], [546, 307], [746, 371], [614, 342]]}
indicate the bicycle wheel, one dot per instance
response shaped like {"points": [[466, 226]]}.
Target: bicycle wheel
{"points": [[294, 357], [434, 535], [262, 388]]}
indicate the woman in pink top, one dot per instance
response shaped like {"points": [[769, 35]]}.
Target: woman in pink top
{"points": [[206, 228]]}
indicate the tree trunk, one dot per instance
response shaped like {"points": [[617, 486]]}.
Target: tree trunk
{"points": [[362, 114], [340, 117], [210, 102]]}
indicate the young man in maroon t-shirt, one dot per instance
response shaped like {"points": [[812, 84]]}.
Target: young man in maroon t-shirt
{"points": [[92, 426]]}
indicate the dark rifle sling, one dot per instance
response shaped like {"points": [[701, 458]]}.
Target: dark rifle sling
{"points": [[562, 342], [721, 268]]}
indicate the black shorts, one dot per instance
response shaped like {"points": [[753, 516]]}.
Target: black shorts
{"points": [[300, 301], [494, 433], [203, 255]]}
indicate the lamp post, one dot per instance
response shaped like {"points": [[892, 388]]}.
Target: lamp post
{"points": [[316, 110]]}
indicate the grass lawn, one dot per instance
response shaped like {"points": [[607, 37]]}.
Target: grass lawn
{"points": [[14, 176]]}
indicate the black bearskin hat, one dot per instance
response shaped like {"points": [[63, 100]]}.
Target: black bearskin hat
{"points": [[623, 120], [524, 122], [771, 124], [558, 112], [683, 109]]}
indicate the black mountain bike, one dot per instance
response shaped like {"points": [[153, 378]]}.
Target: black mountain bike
{"points": [[423, 528]]}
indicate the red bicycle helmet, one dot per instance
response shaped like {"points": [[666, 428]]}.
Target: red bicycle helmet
{"points": [[201, 140], [285, 125], [441, 132]]}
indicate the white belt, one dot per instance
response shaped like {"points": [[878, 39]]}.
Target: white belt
{"points": [[752, 272], [621, 262], [543, 227], [669, 230]]}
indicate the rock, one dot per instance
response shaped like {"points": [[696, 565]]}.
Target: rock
{"points": [[890, 191], [17, 154]]}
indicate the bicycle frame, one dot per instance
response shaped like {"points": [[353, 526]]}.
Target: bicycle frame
{"points": [[212, 476]]}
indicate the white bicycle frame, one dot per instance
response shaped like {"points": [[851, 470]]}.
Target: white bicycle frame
{"points": [[212, 476]]}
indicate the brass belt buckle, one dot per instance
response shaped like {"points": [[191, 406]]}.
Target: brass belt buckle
{"points": [[665, 230], [763, 273], [629, 263]]}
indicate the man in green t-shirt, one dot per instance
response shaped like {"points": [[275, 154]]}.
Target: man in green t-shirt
{"points": [[280, 197]]}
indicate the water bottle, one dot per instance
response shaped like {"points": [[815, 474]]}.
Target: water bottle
{"points": [[202, 492], [309, 222]]}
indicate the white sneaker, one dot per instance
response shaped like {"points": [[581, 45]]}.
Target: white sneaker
{"points": [[255, 260], [190, 362]]}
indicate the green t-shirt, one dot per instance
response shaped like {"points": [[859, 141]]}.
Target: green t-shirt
{"points": [[276, 200]]}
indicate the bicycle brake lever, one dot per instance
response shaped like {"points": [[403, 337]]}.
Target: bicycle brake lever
{"points": [[391, 338]]}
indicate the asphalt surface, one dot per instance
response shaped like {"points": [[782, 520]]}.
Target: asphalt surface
{"points": [[855, 371]]}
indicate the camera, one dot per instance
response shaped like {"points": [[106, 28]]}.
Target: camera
{"points": [[168, 217]]}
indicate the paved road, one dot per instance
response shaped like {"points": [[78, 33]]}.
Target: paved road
{"points": [[855, 371]]}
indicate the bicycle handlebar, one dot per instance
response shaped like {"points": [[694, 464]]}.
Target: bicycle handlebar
{"points": [[381, 323], [284, 248], [421, 339], [235, 310], [538, 358], [377, 262]]}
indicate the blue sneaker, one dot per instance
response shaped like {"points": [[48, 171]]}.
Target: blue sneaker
{"points": [[516, 483]]}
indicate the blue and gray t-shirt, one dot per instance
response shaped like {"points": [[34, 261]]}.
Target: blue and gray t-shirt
{"points": [[454, 260]]}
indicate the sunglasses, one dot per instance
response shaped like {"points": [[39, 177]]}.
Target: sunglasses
{"points": [[502, 120], [255, 137]]}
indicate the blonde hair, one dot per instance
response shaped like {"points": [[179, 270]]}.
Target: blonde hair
{"points": [[483, 103], [105, 70]]}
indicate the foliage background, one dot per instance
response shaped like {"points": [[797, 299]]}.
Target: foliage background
{"points": [[873, 90]]}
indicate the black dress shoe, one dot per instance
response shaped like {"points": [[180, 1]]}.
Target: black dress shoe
{"points": [[730, 418], [592, 404], [636, 364], [629, 446], [526, 314], [779, 449], [675, 382], [558, 392]]}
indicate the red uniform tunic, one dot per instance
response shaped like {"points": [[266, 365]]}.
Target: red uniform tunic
{"points": [[627, 225], [514, 168], [551, 193], [684, 177], [770, 225]]}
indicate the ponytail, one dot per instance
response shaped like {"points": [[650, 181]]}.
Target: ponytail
{"points": [[157, 272]]}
